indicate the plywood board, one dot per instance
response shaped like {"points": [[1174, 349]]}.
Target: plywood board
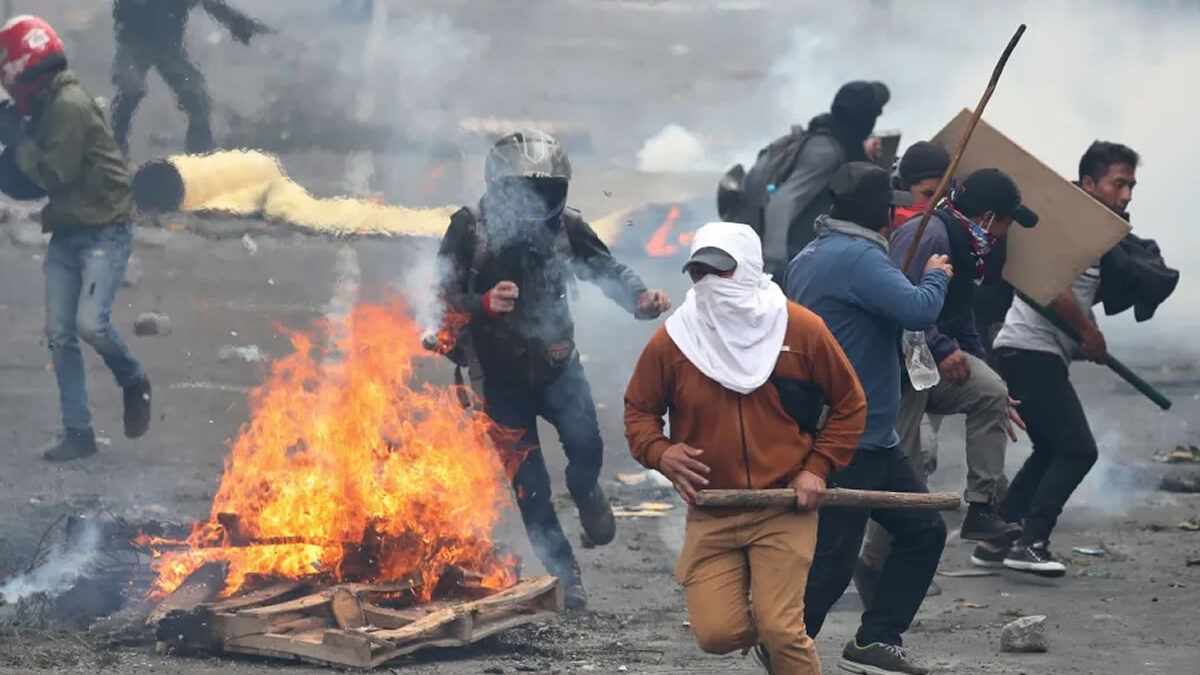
{"points": [[1074, 230]]}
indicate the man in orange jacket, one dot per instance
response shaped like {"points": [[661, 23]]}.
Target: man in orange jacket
{"points": [[744, 376]]}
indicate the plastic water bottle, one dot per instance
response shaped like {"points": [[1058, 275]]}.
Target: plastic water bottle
{"points": [[918, 360]]}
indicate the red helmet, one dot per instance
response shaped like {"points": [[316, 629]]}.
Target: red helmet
{"points": [[30, 54]]}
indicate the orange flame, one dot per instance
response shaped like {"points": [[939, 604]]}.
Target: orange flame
{"points": [[344, 453], [660, 244]]}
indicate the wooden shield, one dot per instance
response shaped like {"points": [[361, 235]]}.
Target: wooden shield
{"points": [[1074, 230]]}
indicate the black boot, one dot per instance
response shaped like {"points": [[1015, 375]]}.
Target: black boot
{"points": [[75, 444], [984, 524], [137, 408], [596, 516], [574, 596]]}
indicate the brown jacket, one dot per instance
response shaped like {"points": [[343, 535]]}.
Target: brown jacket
{"points": [[749, 441]]}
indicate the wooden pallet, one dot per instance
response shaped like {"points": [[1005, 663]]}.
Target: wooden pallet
{"points": [[350, 625]]}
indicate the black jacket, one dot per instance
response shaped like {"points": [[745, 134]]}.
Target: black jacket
{"points": [[536, 341], [1134, 274]]}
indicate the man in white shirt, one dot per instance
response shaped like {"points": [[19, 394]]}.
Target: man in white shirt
{"points": [[1033, 357]]}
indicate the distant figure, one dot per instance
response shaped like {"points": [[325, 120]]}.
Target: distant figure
{"points": [[150, 33]]}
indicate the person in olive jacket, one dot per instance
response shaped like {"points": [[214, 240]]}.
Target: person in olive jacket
{"points": [[58, 146]]}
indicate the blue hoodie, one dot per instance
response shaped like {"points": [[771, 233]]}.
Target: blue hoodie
{"points": [[845, 277]]}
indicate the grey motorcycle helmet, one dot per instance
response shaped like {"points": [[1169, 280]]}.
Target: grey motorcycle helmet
{"points": [[527, 173]]}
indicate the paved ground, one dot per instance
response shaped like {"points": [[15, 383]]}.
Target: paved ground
{"points": [[1131, 611]]}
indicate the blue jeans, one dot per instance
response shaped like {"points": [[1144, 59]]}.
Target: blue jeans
{"points": [[567, 404], [84, 268]]}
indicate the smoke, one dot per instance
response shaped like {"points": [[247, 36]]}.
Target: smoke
{"points": [[676, 149], [60, 570]]}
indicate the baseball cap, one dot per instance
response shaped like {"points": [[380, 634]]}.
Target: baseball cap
{"points": [[712, 257], [923, 160], [993, 190], [865, 184]]}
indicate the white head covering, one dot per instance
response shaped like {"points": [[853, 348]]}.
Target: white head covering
{"points": [[732, 329]]}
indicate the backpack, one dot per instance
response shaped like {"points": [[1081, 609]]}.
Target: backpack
{"points": [[742, 197]]}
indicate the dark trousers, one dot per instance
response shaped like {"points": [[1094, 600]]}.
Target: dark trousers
{"points": [[1063, 447], [132, 63], [567, 404], [918, 540]]}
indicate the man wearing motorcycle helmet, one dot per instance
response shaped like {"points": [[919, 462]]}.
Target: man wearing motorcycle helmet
{"points": [[508, 266], [57, 145]]}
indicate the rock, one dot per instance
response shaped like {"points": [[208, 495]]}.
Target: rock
{"points": [[249, 353], [150, 323], [1027, 634]]}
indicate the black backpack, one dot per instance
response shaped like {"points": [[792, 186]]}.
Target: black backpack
{"points": [[742, 197]]}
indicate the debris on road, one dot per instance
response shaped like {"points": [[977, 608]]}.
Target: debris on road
{"points": [[644, 510], [249, 244], [967, 573], [1189, 484], [1095, 552], [1191, 524], [654, 478], [248, 353], [133, 272], [1179, 455], [150, 323], [1193, 562], [1027, 634]]}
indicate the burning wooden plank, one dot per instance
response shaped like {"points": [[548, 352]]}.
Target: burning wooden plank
{"points": [[341, 627], [201, 586]]}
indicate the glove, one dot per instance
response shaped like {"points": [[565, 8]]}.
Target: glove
{"points": [[12, 125]]}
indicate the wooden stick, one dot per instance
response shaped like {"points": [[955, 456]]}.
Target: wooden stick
{"points": [[833, 497], [962, 146]]}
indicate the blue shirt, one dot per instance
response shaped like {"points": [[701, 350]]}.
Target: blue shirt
{"points": [[849, 281]]}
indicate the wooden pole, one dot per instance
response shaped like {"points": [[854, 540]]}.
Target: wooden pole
{"points": [[962, 145], [833, 497], [1127, 374]]}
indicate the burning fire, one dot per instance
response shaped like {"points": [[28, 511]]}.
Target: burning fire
{"points": [[660, 244], [350, 470]]}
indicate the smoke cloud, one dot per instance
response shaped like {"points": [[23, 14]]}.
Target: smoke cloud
{"points": [[61, 569]]}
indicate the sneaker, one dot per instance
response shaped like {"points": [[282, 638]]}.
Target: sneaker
{"points": [[74, 445], [991, 554], [596, 516], [984, 524], [575, 598], [137, 408], [1034, 558], [879, 659]]}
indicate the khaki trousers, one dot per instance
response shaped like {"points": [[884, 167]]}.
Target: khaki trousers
{"points": [[744, 576]]}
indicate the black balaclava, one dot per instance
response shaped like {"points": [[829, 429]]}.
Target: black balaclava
{"points": [[852, 116]]}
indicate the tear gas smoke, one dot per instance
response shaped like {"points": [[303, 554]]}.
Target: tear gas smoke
{"points": [[63, 566]]}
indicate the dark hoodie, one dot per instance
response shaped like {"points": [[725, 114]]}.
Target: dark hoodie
{"points": [[834, 138]]}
